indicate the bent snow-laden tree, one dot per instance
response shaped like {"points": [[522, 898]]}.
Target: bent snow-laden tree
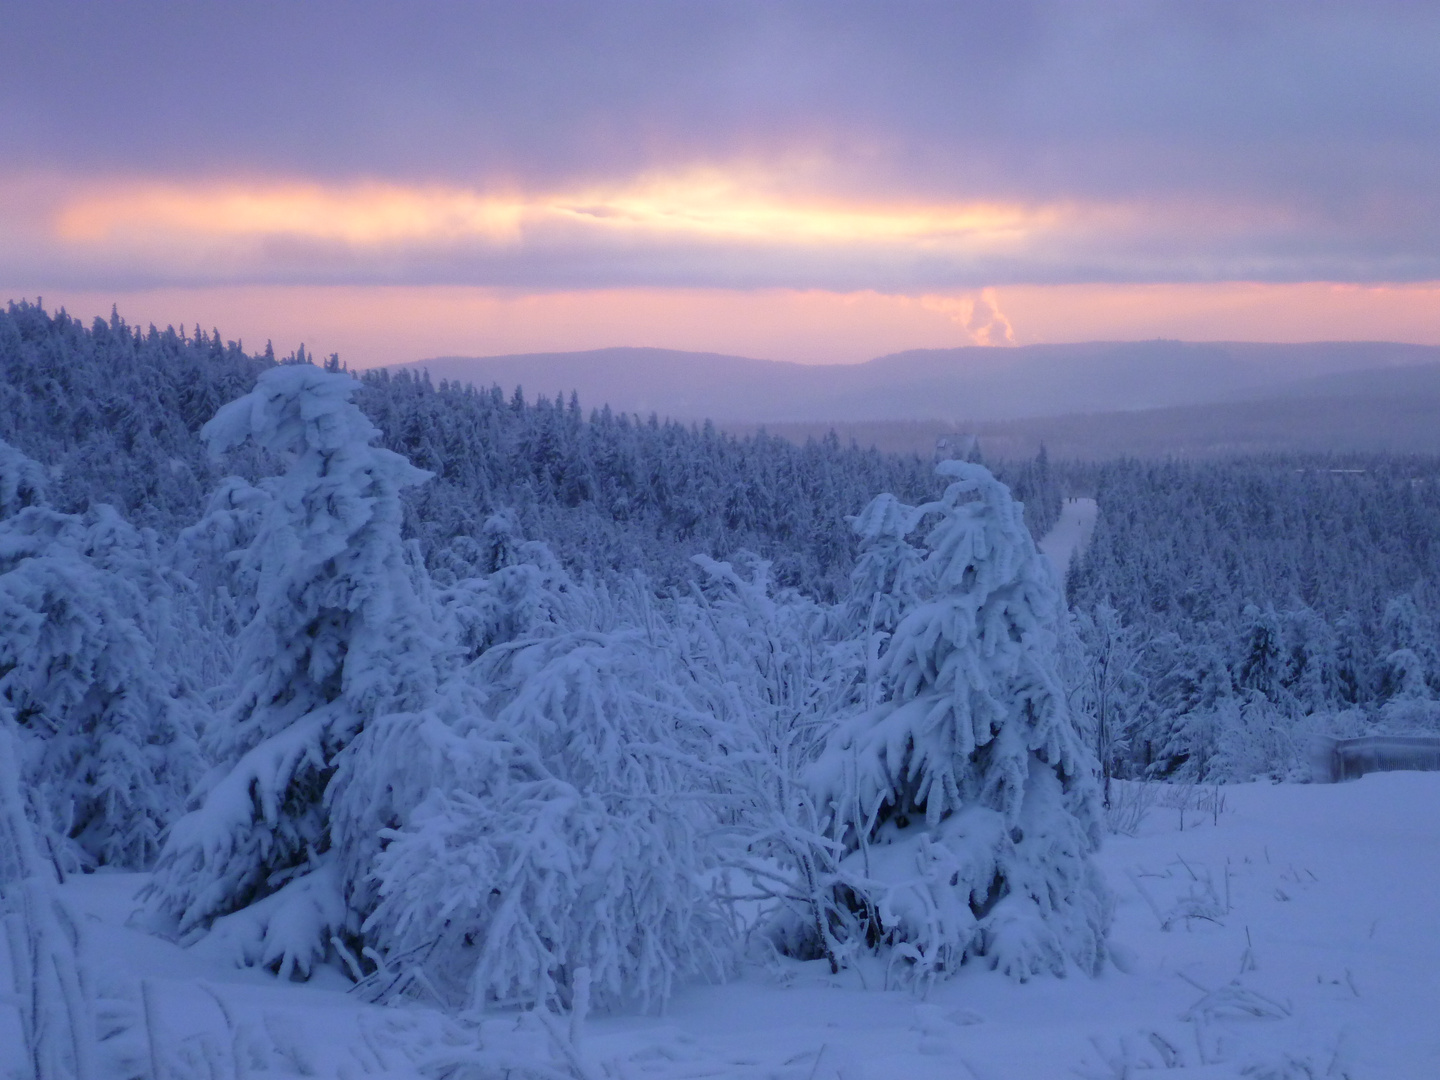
{"points": [[562, 854], [965, 795], [340, 643]]}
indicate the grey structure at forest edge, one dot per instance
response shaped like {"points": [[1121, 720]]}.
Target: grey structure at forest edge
{"points": [[1334, 760]]}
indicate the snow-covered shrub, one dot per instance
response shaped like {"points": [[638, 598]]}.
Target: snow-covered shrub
{"points": [[512, 589], [41, 938], [338, 641], [1411, 708], [1256, 739], [772, 670], [566, 835], [1109, 704], [966, 794], [86, 669]]}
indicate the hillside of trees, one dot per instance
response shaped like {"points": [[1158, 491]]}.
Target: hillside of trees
{"points": [[115, 414], [465, 694], [1256, 602]]}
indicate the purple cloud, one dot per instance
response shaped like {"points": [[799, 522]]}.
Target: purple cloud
{"points": [[1283, 141]]}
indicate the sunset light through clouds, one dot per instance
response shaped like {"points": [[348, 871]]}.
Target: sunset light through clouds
{"points": [[706, 205], [786, 181]]}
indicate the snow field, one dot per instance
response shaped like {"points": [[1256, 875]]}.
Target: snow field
{"points": [[1291, 935], [1286, 931]]}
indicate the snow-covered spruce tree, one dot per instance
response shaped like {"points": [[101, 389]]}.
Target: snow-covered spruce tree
{"points": [[966, 796], [1197, 701], [340, 645], [107, 747], [885, 579]]}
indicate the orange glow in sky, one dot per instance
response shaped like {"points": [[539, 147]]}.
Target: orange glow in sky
{"points": [[705, 204], [217, 240]]}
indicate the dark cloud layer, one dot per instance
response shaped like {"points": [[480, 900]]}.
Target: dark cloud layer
{"points": [[1280, 140], [1333, 102]]}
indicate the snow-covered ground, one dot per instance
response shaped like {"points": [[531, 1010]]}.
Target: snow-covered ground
{"points": [[1287, 932], [1067, 539]]}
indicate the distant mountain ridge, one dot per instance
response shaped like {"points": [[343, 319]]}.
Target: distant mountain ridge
{"points": [[967, 385], [1393, 410]]}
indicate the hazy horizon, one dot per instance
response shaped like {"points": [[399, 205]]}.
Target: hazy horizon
{"points": [[1090, 400]]}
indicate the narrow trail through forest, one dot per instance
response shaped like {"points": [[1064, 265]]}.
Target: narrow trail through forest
{"points": [[1067, 540]]}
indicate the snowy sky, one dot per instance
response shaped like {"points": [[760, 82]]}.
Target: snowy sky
{"points": [[820, 182]]}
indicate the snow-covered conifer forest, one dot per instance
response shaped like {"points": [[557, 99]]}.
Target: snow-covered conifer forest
{"points": [[487, 722]]}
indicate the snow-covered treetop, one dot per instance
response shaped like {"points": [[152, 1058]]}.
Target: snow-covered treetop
{"points": [[294, 409], [982, 544], [886, 517]]}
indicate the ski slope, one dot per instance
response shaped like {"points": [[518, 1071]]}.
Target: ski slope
{"points": [[1261, 931], [1067, 539]]}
